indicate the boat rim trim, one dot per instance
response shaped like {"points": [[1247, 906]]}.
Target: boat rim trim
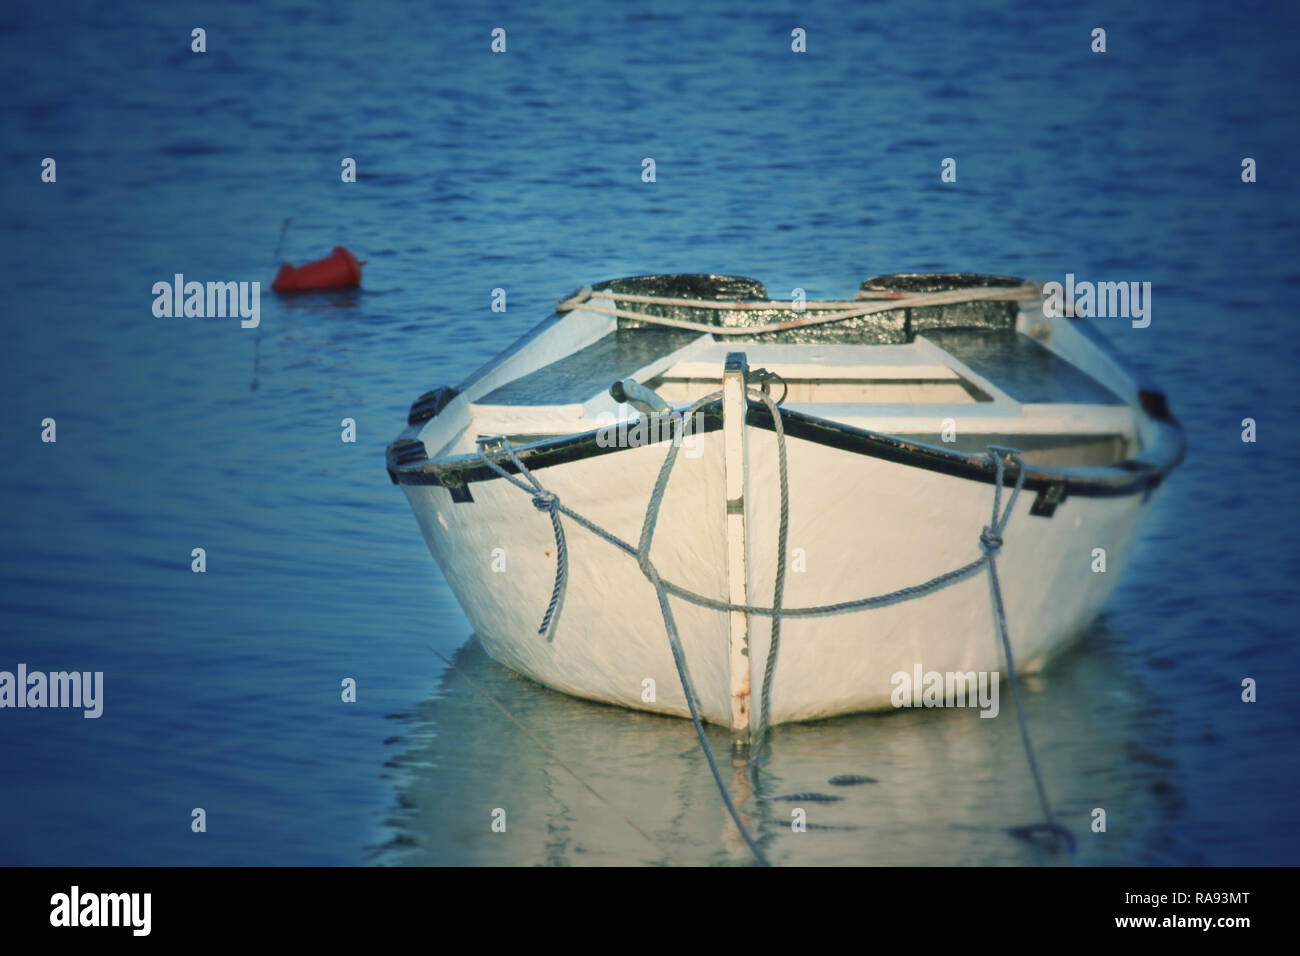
{"points": [[1131, 476]]}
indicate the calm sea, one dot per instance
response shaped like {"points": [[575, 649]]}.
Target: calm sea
{"points": [[523, 171]]}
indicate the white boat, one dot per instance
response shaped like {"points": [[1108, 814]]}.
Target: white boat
{"points": [[888, 404]]}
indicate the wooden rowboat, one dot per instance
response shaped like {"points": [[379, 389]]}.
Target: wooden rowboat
{"points": [[887, 406]]}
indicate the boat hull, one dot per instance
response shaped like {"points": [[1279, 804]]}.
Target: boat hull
{"points": [[858, 526]]}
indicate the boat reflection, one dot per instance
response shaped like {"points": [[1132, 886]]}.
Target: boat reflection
{"points": [[586, 783]]}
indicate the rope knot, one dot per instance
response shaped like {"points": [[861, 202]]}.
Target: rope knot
{"points": [[545, 501], [990, 541]]}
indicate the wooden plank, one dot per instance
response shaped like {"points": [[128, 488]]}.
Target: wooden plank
{"points": [[589, 371], [733, 428]]}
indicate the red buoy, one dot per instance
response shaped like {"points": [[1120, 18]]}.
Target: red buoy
{"points": [[338, 270]]}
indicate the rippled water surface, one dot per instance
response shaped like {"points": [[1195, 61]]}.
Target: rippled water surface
{"points": [[522, 171]]}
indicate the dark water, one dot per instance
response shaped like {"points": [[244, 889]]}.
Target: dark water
{"points": [[522, 171]]}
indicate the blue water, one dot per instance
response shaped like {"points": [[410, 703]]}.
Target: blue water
{"points": [[523, 171]]}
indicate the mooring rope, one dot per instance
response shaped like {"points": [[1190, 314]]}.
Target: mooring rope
{"points": [[865, 603], [991, 543], [783, 527], [551, 503], [543, 500], [990, 540]]}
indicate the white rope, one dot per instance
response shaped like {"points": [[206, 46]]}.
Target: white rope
{"points": [[763, 304]]}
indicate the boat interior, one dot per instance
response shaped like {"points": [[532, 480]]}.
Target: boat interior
{"points": [[955, 377]]}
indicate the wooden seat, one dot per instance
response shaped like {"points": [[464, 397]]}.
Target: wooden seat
{"points": [[589, 371], [1022, 368]]}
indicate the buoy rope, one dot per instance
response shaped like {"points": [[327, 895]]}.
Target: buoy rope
{"points": [[284, 229], [849, 310]]}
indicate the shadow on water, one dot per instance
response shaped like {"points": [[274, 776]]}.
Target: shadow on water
{"points": [[319, 304], [586, 783]]}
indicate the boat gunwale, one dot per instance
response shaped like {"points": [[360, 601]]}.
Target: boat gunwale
{"points": [[409, 465], [1130, 476]]}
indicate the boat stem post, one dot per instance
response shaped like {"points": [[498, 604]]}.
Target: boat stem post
{"points": [[734, 404]]}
